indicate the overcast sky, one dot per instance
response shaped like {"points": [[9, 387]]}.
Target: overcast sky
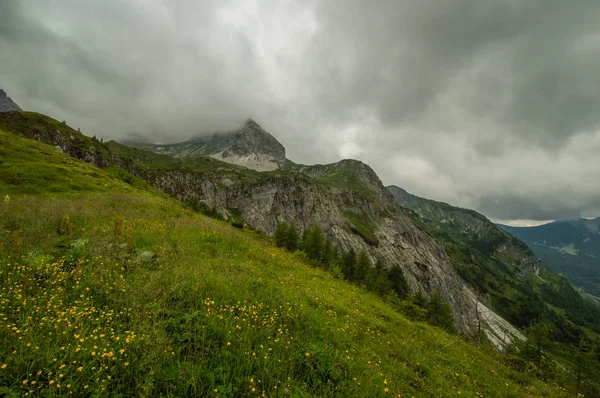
{"points": [[492, 105]]}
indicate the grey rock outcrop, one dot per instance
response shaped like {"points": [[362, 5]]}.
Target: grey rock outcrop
{"points": [[7, 104]]}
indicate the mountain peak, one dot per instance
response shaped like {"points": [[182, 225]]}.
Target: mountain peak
{"points": [[7, 104], [251, 123], [250, 146]]}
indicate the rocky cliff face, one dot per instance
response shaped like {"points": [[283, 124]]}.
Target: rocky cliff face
{"points": [[6, 104], [308, 201], [251, 146]]}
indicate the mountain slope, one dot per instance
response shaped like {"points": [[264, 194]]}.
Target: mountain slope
{"points": [[570, 247], [349, 218], [128, 293], [251, 146], [346, 199], [7, 104], [502, 270]]}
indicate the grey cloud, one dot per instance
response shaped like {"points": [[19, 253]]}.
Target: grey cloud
{"points": [[424, 45], [482, 103], [513, 207]]}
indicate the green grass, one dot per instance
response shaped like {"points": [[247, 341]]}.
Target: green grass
{"points": [[347, 174], [46, 129], [199, 306], [362, 227], [109, 290], [29, 167]]}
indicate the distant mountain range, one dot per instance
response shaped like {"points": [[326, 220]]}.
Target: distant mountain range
{"points": [[569, 247]]}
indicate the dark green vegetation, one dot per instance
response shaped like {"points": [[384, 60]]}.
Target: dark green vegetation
{"points": [[387, 282], [571, 248], [109, 288], [346, 174], [503, 271], [362, 227]]}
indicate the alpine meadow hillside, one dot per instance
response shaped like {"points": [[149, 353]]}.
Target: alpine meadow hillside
{"points": [[125, 272]]}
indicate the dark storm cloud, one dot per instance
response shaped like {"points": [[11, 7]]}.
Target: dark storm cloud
{"points": [[398, 57], [488, 104]]}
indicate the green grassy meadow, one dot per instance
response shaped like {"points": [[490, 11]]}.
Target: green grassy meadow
{"points": [[111, 289]]}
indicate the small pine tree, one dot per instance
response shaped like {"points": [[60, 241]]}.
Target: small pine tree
{"points": [[539, 341], [329, 254], [281, 233], [419, 298], [398, 281], [377, 280], [292, 237], [363, 266], [439, 312], [348, 264], [313, 243]]}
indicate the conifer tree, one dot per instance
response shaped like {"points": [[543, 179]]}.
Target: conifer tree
{"points": [[292, 237], [377, 279], [420, 299], [398, 281], [439, 312], [281, 233], [329, 254], [348, 264], [313, 243], [363, 266]]}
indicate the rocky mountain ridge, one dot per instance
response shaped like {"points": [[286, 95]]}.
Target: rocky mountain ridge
{"points": [[465, 226], [7, 104], [250, 146]]}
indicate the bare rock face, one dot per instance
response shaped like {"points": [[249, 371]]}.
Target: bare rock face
{"points": [[297, 197], [250, 146], [7, 104]]}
